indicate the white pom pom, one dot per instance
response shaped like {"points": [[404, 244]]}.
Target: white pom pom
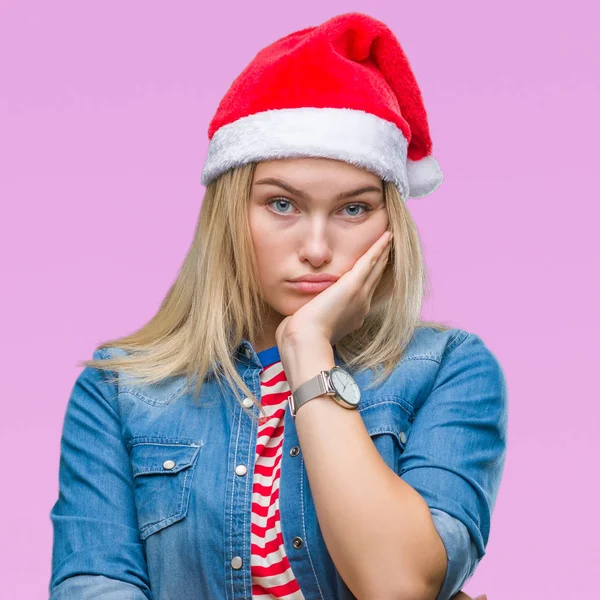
{"points": [[424, 176]]}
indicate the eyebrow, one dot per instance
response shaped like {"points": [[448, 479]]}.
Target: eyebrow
{"points": [[301, 194]]}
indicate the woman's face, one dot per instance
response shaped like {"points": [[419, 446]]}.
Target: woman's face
{"points": [[299, 227]]}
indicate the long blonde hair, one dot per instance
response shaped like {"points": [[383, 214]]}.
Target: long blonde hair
{"points": [[215, 300]]}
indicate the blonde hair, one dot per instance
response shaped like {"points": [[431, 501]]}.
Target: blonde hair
{"points": [[216, 300]]}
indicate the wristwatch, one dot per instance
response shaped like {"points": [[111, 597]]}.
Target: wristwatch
{"points": [[335, 382]]}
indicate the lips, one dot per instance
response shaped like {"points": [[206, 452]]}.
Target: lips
{"points": [[316, 278], [311, 287]]}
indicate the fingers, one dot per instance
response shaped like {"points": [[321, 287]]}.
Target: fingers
{"points": [[367, 262], [376, 270]]}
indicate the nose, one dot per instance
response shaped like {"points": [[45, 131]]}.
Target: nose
{"points": [[315, 247]]}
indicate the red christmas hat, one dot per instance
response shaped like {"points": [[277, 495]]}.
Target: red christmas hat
{"points": [[342, 90]]}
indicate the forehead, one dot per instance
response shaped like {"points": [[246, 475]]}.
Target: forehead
{"points": [[315, 172]]}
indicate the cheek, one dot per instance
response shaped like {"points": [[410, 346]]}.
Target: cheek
{"points": [[260, 225], [266, 236], [266, 246], [357, 247], [267, 251]]}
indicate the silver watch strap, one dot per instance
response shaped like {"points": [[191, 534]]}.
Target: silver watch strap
{"points": [[313, 388]]}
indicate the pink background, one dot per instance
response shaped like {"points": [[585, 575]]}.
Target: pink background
{"points": [[104, 109]]}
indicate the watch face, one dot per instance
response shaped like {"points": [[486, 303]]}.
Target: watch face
{"points": [[345, 386]]}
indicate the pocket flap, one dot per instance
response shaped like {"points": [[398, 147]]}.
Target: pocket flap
{"points": [[387, 416], [163, 458]]}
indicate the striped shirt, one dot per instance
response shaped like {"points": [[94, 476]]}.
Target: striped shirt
{"points": [[270, 569]]}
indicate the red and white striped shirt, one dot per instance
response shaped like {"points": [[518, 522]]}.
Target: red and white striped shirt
{"points": [[270, 569]]}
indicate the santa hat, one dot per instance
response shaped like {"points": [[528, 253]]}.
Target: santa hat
{"points": [[342, 90]]}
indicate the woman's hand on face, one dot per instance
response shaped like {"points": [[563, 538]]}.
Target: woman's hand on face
{"points": [[342, 307]]}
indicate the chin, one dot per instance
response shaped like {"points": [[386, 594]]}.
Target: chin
{"points": [[289, 308], [289, 304]]}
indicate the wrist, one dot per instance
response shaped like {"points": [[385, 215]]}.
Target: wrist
{"points": [[304, 360]]}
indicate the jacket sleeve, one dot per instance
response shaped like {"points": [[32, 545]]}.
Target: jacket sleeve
{"points": [[97, 551], [461, 552], [456, 451]]}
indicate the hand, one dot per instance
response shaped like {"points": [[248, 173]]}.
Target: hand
{"points": [[462, 596], [343, 306]]}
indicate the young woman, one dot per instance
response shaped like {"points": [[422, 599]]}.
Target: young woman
{"points": [[268, 437]]}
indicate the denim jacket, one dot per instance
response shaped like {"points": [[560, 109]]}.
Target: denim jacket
{"points": [[127, 527]]}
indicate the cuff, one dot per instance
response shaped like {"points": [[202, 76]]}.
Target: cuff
{"points": [[460, 551]]}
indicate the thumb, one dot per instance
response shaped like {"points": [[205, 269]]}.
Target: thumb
{"points": [[482, 597]]}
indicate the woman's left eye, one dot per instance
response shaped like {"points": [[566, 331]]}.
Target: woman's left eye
{"points": [[366, 207]]}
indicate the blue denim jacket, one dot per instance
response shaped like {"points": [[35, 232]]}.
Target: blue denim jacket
{"points": [[128, 528]]}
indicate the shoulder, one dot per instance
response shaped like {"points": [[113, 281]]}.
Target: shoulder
{"points": [[456, 363], [109, 353], [431, 343], [445, 347], [464, 375], [94, 390], [99, 385], [129, 384]]}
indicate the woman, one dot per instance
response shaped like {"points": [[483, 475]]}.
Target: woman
{"points": [[262, 437]]}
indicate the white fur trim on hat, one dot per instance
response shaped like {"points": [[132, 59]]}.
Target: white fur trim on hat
{"points": [[353, 136]]}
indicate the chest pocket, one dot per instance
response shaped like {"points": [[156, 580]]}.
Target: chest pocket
{"points": [[388, 421], [162, 474]]}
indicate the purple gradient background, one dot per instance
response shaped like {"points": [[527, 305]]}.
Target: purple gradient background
{"points": [[104, 109]]}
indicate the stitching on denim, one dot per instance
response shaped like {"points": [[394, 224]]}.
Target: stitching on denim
{"points": [[104, 376], [187, 472], [176, 391], [189, 468], [365, 408], [387, 427], [191, 461], [304, 524], [182, 445], [146, 399], [156, 524], [251, 447], [457, 340], [246, 529], [152, 401], [149, 441], [173, 516], [436, 357], [237, 437]]}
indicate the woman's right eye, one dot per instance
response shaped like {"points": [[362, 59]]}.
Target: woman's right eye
{"points": [[271, 202]]}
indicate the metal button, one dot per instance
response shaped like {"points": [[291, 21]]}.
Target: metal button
{"points": [[241, 470], [237, 562], [294, 451], [247, 402], [248, 353], [403, 437], [168, 464], [297, 542]]}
